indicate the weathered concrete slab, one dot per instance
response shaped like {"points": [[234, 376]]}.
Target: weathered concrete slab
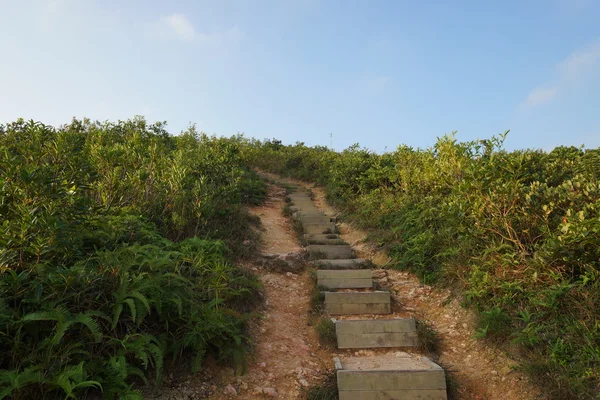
{"points": [[321, 236], [304, 209], [364, 334], [301, 200], [318, 228], [354, 263], [344, 303], [314, 219], [309, 213], [347, 274], [345, 279], [302, 203], [299, 195], [326, 239], [390, 377], [328, 242], [331, 252]]}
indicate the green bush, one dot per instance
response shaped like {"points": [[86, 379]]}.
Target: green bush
{"points": [[116, 249], [516, 232]]}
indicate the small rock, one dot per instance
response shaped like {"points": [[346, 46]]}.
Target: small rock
{"points": [[506, 370], [262, 364], [494, 372], [270, 392], [304, 383], [230, 390]]}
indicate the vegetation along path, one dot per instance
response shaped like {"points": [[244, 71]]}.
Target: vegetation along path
{"points": [[475, 371]]}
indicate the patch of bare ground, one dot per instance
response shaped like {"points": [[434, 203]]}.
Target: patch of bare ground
{"points": [[286, 355]]}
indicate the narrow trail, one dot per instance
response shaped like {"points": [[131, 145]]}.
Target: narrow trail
{"points": [[286, 355]]}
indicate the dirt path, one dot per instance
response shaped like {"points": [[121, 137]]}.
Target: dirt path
{"points": [[286, 355], [479, 371]]}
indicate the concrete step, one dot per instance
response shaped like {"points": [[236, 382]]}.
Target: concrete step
{"points": [[327, 242], [321, 236], [314, 219], [319, 228], [354, 263], [300, 196], [300, 200], [304, 209], [390, 376], [331, 252], [365, 334], [345, 279], [307, 213], [352, 303], [300, 203]]}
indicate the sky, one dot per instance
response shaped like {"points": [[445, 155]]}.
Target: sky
{"points": [[323, 72]]}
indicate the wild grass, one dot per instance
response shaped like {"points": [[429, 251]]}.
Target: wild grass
{"points": [[324, 390], [325, 329]]}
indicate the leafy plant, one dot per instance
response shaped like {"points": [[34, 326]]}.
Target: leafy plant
{"points": [[116, 250]]}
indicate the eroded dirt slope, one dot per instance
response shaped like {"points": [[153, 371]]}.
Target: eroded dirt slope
{"points": [[287, 356]]}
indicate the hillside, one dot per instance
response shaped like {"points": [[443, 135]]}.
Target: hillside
{"points": [[129, 255], [514, 235]]}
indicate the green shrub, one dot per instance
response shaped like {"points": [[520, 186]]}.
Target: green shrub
{"points": [[516, 233], [116, 249]]}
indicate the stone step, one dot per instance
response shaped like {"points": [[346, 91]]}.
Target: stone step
{"points": [[300, 196], [303, 204], [390, 376], [307, 213], [328, 242], [352, 303], [318, 228], [306, 219], [365, 334], [353, 263], [345, 279], [298, 201], [321, 236], [331, 252], [304, 209]]}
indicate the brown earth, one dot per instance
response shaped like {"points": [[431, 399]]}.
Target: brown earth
{"points": [[287, 356]]}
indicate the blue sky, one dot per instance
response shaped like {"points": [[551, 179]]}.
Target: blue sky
{"points": [[379, 73]]}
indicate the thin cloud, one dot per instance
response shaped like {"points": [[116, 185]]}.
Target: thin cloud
{"points": [[580, 62], [376, 84], [541, 96], [178, 25], [181, 26], [572, 70]]}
